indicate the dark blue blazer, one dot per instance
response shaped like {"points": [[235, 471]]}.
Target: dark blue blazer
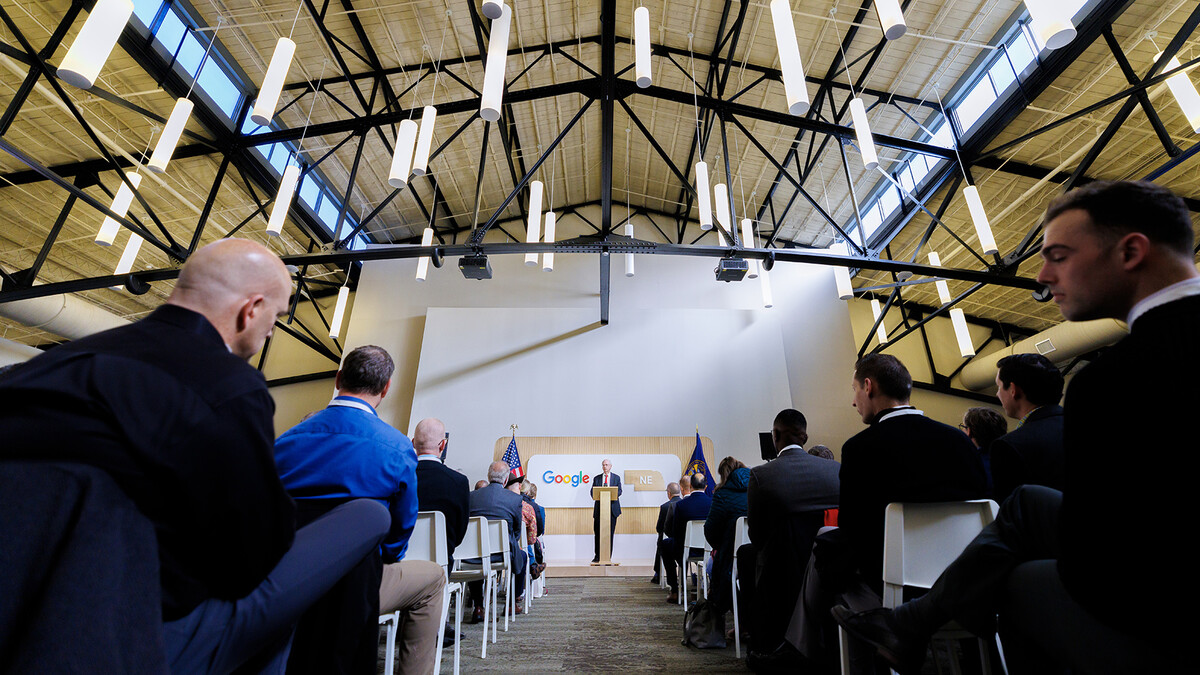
{"points": [[615, 505]]}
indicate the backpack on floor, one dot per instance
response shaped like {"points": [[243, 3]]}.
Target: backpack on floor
{"points": [[703, 626]]}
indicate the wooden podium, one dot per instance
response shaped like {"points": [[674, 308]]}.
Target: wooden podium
{"points": [[605, 495]]}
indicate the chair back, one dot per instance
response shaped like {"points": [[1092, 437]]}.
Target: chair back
{"points": [[475, 543], [498, 536], [693, 535], [428, 539], [920, 540], [741, 533], [524, 537]]}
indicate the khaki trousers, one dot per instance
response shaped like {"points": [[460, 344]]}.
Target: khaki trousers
{"points": [[414, 588]]}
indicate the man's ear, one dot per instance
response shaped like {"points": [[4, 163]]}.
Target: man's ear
{"points": [[868, 386], [247, 312], [1133, 248], [385, 389], [1016, 391]]}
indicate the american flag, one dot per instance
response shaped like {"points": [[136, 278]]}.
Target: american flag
{"points": [[513, 459]]}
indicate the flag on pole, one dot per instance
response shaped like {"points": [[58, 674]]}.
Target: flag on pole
{"points": [[698, 465], [513, 459]]}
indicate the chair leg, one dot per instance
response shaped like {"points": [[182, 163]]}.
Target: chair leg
{"points": [[392, 626], [488, 607], [458, 611], [737, 633], [683, 576], [441, 639], [1000, 653], [844, 649]]}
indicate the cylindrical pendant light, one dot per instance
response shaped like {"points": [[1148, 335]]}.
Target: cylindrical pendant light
{"points": [[165, 148], [959, 320], [891, 18], [721, 202], [862, 129], [880, 331], [943, 290], [841, 275], [641, 46], [533, 227], [120, 206], [420, 162], [702, 196], [768, 298], [283, 200], [493, 74], [983, 229], [1184, 92], [423, 261], [406, 136], [277, 71], [794, 87], [129, 255], [548, 256], [339, 310], [492, 8], [1050, 21], [748, 242], [629, 256], [91, 48]]}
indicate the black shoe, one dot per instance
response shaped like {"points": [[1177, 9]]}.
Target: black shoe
{"points": [[449, 638], [877, 628], [595, 560], [654, 580], [785, 659], [477, 615]]}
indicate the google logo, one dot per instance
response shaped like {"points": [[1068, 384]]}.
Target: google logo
{"points": [[550, 477]]}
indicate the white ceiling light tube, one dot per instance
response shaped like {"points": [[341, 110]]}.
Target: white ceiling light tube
{"points": [[167, 142], [959, 320], [423, 261], [420, 163], [277, 71], [748, 242], [402, 158], [983, 229], [94, 43], [129, 255], [497, 60], [533, 228], [943, 290], [841, 275], [768, 297], [492, 8], [548, 256], [721, 199], [702, 196], [641, 46], [339, 311], [283, 200], [880, 331], [1050, 21], [862, 129], [891, 18], [794, 87], [1184, 92], [629, 256], [120, 206]]}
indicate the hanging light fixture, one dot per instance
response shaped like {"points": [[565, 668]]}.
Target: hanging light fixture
{"points": [[165, 148], [794, 87], [339, 310], [942, 289], [129, 255], [641, 46], [91, 48], [497, 60], [533, 228], [423, 261], [548, 256], [768, 298], [1184, 92], [1050, 21], [721, 199], [629, 256], [862, 129], [120, 206], [283, 200], [702, 196], [958, 319], [492, 8], [983, 229], [880, 332], [748, 242], [841, 275], [420, 162], [272, 86], [402, 158], [891, 18]]}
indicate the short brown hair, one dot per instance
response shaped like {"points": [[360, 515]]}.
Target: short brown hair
{"points": [[887, 372], [985, 425], [1118, 207], [367, 370]]}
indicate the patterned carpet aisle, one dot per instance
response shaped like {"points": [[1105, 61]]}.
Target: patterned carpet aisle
{"points": [[592, 625]]}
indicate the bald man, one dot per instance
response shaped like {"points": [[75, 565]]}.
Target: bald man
{"points": [[169, 410], [440, 488]]}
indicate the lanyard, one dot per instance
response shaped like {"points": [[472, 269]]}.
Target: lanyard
{"points": [[352, 403]]}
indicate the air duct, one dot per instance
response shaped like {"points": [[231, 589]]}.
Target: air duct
{"points": [[1059, 343], [64, 315]]}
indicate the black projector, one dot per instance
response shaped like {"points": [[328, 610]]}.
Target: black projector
{"points": [[475, 266], [731, 269]]}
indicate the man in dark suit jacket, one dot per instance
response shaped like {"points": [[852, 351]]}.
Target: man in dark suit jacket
{"points": [[673, 496], [440, 488], [786, 503], [1067, 571], [1029, 387], [692, 507], [609, 479], [496, 502]]}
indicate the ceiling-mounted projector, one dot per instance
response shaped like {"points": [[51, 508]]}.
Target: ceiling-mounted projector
{"points": [[731, 269], [475, 266]]}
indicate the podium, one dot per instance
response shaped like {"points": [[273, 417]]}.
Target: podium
{"points": [[605, 495]]}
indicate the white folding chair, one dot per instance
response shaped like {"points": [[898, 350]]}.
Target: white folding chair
{"points": [[429, 542], [528, 566], [498, 537], [693, 537], [475, 544], [539, 584], [741, 537], [919, 542], [392, 621]]}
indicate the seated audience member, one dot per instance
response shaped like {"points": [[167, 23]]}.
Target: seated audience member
{"points": [[902, 456], [1068, 595], [728, 504], [480, 484], [168, 413], [346, 452], [786, 500], [529, 496], [983, 426], [821, 451], [1029, 387], [495, 502], [673, 495], [693, 507], [529, 521]]}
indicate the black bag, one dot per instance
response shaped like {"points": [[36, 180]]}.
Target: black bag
{"points": [[703, 626]]}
